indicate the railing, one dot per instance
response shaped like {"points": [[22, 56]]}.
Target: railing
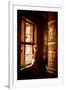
{"points": [[25, 66]]}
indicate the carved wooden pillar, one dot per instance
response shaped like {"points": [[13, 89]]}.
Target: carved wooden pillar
{"points": [[52, 42]]}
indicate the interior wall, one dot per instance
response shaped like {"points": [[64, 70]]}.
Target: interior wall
{"points": [[42, 29]]}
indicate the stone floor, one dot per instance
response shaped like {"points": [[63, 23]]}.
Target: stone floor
{"points": [[32, 73]]}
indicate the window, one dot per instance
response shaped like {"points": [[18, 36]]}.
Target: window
{"points": [[28, 41]]}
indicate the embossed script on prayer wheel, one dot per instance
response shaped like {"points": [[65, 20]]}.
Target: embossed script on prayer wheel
{"points": [[52, 42]]}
